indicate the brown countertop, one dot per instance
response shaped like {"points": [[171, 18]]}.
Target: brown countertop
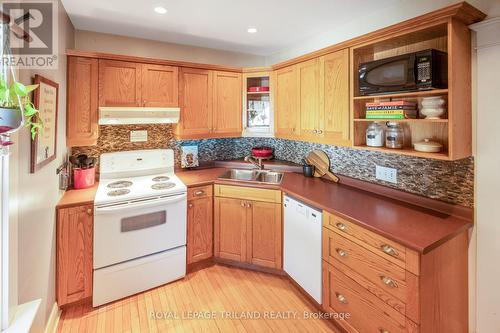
{"points": [[78, 197], [418, 228]]}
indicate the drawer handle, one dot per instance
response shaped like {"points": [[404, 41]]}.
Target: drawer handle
{"points": [[341, 226], [198, 193], [341, 252], [242, 204], [341, 298], [389, 250], [383, 330], [389, 282], [89, 211]]}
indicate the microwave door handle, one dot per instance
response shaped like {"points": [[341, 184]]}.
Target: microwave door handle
{"points": [[140, 204]]}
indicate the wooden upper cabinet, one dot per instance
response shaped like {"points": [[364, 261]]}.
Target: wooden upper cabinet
{"points": [[195, 91], [82, 113], [286, 102], [160, 86], [120, 83], [334, 117], [227, 101], [74, 241], [309, 97]]}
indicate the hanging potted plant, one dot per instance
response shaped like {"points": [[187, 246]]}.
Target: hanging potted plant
{"points": [[16, 108]]}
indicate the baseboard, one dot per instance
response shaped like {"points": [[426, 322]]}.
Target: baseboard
{"points": [[51, 326]]}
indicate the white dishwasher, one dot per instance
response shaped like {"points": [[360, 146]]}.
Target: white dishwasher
{"points": [[302, 245]]}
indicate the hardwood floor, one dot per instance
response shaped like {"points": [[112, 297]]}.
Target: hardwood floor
{"points": [[215, 299]]}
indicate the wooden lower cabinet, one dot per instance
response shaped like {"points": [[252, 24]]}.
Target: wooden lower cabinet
{"points": [[248, 231], [382, 286], [199, 224], [74, 241]]}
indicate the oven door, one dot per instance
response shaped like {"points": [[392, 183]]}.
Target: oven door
{"points": [[131, 230]]}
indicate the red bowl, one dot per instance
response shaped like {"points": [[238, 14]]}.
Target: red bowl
{"points": [[262, 151]]}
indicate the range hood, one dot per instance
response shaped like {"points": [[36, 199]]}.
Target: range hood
{"points": [[137, 115]]}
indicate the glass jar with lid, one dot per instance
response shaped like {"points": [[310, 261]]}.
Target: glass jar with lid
{"points": [[375, 135], [394, 135]]}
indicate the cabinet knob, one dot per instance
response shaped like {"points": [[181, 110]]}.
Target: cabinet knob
{"points": [[249, 205], [389, 282], [242, 204], [341, 298], [190, 205], [320, 131], [389, 250], [89, 211], [341, 226], [341, 252], [144, 103]]}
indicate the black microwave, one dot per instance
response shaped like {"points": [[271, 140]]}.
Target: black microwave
{"points": [[422, 70]]}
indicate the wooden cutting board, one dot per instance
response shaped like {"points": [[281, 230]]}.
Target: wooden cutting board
{"points": [[321, 162]]}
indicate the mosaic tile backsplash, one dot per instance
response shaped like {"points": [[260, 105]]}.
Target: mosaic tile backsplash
{"points": [[450, 181]]}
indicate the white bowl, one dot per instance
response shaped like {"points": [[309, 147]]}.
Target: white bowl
{"points": [[432, 102], [432, 113]]}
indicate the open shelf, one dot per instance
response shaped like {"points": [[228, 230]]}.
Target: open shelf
{"points": [[422, 93], [258, 93], [407, 151], [404, 120]]}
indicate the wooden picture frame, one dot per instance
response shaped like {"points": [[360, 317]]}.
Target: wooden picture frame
{"points": [[45, 99]]}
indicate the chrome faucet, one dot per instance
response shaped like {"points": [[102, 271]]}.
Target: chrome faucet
{"points": [[257, 162]]}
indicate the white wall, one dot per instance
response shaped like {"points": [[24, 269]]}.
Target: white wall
{"points": [[488, 177], [37, 194], [95, 41], [402, 10]]}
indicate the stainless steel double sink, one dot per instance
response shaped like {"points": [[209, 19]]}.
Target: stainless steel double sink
{"points": [[253, 176]]}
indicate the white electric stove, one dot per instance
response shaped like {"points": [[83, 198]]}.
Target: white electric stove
{"points": [[139, 224]]}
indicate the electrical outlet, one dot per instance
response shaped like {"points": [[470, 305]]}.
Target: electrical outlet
{"points": [[138, 136], [387, 174]]}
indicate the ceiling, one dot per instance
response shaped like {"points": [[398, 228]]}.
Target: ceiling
{"points": [[220, 24]]}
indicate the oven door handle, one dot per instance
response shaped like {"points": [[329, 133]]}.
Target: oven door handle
{"points": [[110, 208]]}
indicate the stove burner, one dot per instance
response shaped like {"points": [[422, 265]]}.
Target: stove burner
{"points": [[120, 184], [160, 179], [118, 192], [162, 186]]}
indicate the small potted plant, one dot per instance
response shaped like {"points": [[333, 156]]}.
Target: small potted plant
{"points": [[16, 108]]}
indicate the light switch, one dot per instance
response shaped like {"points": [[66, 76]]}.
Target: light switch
{"points": [[138, 136]]}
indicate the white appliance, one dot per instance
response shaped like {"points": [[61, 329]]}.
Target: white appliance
{"points": [[139, 224], [137, 115], [302, 245]]}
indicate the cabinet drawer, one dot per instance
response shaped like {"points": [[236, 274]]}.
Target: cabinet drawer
{"points": [[199, 192], [381, 272], [367, 313], [392, 251], [248, 193]]}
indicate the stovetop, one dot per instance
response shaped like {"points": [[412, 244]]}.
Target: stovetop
{"points": [[141, 187]]}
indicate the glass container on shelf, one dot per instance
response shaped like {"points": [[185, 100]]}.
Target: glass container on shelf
{"points": [[258, 117], [394, 135]]}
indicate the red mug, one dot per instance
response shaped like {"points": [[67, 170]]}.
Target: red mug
{"points": [[83, 178]]}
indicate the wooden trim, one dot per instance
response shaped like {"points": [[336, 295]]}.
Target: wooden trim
{"points": [[247, 193], [246, 265], [199, 265], [257, 69], [146, 60], [461, 11]]}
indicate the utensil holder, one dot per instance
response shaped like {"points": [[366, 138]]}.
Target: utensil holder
{"points": [[308, 170], [83, 178]]}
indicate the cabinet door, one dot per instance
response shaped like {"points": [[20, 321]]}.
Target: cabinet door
{"points": [[74, 253], [264, 234], [82, 122], [335, 114], [286, 103], [119, 83], [227, 104], [230, 229], [309, 80], [160, 86], [200, 230], [195, 87]]}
